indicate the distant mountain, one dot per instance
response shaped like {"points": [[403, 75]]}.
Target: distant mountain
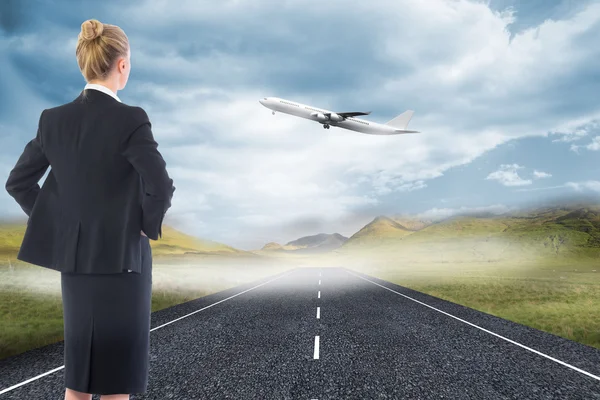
{"points": [[381, 229], [322, 239], [410, 223], [272, 246], [320, 243], [558, 232]]}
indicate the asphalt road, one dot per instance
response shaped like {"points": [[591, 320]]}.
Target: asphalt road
{"points": [[376, 340]]}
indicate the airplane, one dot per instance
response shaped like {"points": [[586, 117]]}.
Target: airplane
{"points": [[344, 120]]}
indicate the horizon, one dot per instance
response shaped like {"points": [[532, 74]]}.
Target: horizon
{"points": [[555, 203]]}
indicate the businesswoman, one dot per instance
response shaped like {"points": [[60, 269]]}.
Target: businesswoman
{"points": [[105, 197]]}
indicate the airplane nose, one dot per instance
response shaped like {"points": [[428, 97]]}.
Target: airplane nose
{"points": [[261, 101]]}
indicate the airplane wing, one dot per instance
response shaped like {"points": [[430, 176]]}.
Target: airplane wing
{"points": [[353, 114]]}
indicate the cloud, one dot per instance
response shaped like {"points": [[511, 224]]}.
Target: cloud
{"points": [[539, 174], [574, 130], [593, 186], [508, 176], [436, 214], [595, 145], [541, 188]]}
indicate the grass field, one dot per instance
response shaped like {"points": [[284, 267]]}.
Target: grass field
{"points": [[566, 309]]}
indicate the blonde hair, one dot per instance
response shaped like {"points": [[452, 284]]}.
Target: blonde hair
{"points": [[98, 48]]}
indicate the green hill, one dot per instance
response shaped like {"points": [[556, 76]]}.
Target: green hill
{"points": [[411, 223], [558, 233], [382, 230], [172, 243]]}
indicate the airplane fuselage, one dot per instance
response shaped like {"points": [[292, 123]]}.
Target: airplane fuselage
{"points": [[326, 117]]}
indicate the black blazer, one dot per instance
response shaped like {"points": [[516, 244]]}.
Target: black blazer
{"points": [[107, 183]]}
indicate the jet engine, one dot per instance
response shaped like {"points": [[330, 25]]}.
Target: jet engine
{"points": [[320, 116], [327, 117], [335, 117]]}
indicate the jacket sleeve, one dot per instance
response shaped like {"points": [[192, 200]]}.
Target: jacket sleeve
{"points": [[22, 183], [141, 150]]}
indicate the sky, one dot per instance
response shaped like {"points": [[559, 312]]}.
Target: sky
{"points": [[505, 94]]}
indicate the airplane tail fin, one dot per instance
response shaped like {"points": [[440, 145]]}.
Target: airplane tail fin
{"points": [[401, 121]]}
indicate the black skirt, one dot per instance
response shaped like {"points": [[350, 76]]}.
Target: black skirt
{"points": [[107, 329]]}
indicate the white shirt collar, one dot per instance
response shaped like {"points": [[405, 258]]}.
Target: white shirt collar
{"points": [[102, 89]]}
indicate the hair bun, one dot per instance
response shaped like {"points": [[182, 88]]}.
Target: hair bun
{"points": [[91, 29]]}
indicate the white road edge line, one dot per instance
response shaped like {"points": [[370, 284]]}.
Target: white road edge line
{"points": [[316, 355], [155, 328], [485, 330]]}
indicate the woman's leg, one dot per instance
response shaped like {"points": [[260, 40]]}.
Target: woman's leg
{"points": [[71, 394]]}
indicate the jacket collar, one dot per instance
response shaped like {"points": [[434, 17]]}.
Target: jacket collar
{"points": [[94, 96], [103, 89]]}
